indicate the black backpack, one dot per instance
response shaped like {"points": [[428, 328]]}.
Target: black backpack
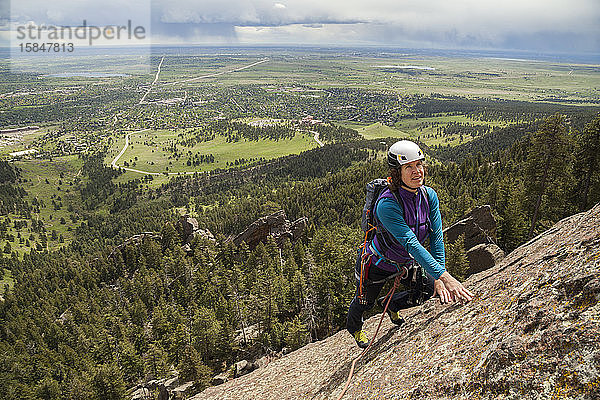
{"points": [[374, 189]]}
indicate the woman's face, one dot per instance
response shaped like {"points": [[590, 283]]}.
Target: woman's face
{"points": [[413, 174]]}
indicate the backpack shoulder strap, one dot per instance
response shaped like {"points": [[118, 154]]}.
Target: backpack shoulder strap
{"points": [[384, 237], [383, 194], [425, 192]]}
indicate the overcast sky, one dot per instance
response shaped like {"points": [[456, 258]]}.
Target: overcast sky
{"points": [[537, 25]]}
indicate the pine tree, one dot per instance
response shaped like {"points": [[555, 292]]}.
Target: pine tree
{"points": [[191, 367], [311, 301], [170, 238], [206, 328], [547, 164], [587, 164], [155, 361], [457, 262], [48, 388], [512, 226], [108, 383], [80, 388], [296, 333], [237, 290], [130, 362]]}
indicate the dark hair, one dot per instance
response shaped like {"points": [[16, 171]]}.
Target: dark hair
{"points": [[395, 179]]}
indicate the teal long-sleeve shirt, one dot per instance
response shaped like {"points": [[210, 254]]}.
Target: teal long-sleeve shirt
{"points": [[390, 214]]}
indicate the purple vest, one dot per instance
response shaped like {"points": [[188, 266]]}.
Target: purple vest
{"points": [[416, 214]]}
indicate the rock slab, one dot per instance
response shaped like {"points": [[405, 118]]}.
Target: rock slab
{"points": [[531, 332]]}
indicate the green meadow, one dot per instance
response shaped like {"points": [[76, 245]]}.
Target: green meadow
{"points": [[411, 74], [422, 129], [152, 151], [52, 183]]}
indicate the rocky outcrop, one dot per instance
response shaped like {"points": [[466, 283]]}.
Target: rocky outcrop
{"points": [[183, 391], [483, 256], [219, 379], [265, 360], [188, 226], [297, 227], [136, 239], [141, 394], [531, 332], [167, 389], [275, 225], [247, 335], [188, 229], [243, 367], [478, 228], [171, 383]]}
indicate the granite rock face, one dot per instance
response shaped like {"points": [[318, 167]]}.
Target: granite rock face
{"points": [[163, 389], [243, 367], [219, 379], [275, 225], [189, 229], [483, 256], [478, 226], [531, 332], [479, 230]]}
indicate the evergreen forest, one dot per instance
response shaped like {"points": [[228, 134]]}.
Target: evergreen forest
{"points": [[97, 316]]}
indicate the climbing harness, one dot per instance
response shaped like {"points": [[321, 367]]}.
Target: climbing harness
{"points": [[366, 262], [386, 244], [374, 189], [369, 225]]}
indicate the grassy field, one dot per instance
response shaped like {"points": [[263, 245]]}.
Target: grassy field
{"points": [[378, 130], [7, 281], [422, 129], [411, 73], [151, 151], [48, 181], [471, 77]]}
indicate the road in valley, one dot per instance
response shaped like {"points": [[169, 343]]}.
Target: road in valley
{"points": [[153, 82], [216, 73], [143, 99], [316, 137], [116, 159]]}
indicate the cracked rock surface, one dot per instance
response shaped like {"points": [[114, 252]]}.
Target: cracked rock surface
{"points": [[532, 332]]}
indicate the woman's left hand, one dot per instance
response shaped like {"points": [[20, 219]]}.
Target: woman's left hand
{"points": [[440, 290]]}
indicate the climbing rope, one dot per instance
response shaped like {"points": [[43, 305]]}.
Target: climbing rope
{"points": [[387, 303]]}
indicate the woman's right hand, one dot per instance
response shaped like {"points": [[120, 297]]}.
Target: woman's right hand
{"points": [[441, 291], [457, 291]]}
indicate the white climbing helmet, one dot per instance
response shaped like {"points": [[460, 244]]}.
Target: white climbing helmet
{"points": [[403, 152]]}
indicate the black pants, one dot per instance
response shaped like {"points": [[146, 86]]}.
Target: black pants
{"points": [[416, 290]]}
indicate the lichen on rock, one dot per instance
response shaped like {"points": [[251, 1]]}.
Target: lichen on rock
{"points": [[531, 332]]}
